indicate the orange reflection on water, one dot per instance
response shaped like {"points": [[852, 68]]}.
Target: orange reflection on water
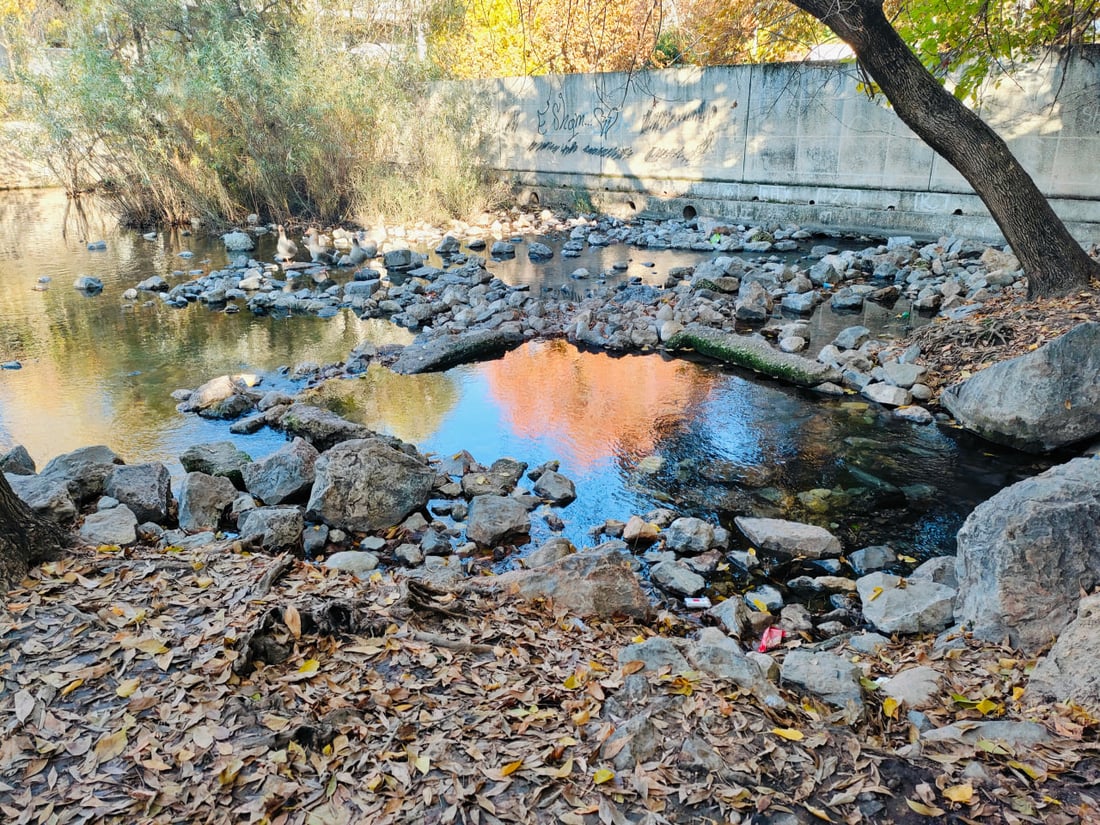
{"points": [[591, 406]]}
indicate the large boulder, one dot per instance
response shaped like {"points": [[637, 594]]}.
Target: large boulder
{"points": [[145, 488], [320, 427], [595, 583], [49, 497], [1068, 673], [17, 461], [914, 605], [495, 519], [83, 471], [832, 677], [217, 458], [1037, 402], [689, 535], [284, 475], [115, 526], [1026, 555], [365, 484], [790, 537], [218, 391], [274, 528], [204, 501]]}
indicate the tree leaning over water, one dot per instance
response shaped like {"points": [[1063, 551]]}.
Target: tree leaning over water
{"points": [[1054, 262], [26, 538]]}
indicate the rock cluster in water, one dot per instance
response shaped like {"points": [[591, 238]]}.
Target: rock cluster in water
{"points": [[461, 312]]}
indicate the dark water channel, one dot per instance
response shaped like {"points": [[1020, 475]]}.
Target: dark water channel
{"points": [[634, 432]]}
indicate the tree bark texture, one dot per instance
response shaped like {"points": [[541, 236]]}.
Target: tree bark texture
{"points": [[1054, 262], [26, 538]]}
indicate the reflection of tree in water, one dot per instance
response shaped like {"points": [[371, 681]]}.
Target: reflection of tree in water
{"points": [[592, 407], [411, 407]]}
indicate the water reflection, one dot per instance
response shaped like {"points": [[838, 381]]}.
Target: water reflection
{"points": [[591, 407], [99, 371]]}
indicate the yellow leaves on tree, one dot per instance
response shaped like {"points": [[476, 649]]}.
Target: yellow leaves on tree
{"points": [[500, 38]]}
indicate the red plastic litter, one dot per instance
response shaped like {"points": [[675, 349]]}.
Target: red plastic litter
{"points": [[772, 637]]}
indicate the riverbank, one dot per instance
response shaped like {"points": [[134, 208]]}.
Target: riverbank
{"points": [[233, 684]]}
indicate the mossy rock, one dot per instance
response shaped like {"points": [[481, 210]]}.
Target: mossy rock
{"points": [[754, 353]]}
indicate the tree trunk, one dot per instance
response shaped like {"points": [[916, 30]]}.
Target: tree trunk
{"points": [[1054, 262], [26, 538]]}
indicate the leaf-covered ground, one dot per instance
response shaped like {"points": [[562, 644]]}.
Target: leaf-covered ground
{"points": [[1005, 327], [126, 696]]}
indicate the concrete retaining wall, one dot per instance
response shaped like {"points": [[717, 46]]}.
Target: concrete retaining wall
{"points": [[784, 143]]}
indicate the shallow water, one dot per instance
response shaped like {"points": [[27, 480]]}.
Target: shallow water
{"points": [[634, 432]]}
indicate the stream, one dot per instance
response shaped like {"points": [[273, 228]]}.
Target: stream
{"points": [[633, 432]]}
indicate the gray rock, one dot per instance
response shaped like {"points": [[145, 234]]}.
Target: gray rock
{"points": [[764, 598], [851, 337], [365, 484], [501, 477], [793, 343], [204, 501], [715, 653], [285, 475], [237, 241], [320, 427], [218, 390], [918, 415], [145, 488], [733, 617], [796, 618], [539, 252], [106, 503], [1038, 402], [887, 395], [1026, 555], [1015, 735], [675, 577], [896, 605], [495, 519], [1068, 673], [556, 487], [902, 375], [940, 569], [870, 559], [790, 537], [216, 458], [868, 643], [599, 582], [17, 461], [656, 653], [409, 554], [753, 302], [802, 303], [314, 539], [689, 535], [276, 528], [549, 552], [434, 543], [358, 562], [88, 284], [916, 687], [115, 526], [827, 675], [48, 497], [440, 353], [83, 471]]}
